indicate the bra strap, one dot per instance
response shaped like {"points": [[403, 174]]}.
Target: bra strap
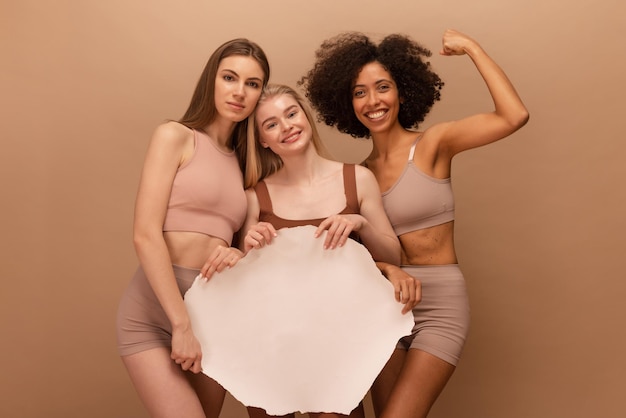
{"points": [[349, 186], [265, 203], [412, 152]]}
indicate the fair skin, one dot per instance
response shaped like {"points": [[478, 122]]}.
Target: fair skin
{"points": [[311, 187], [160, 375], [412, 380]]}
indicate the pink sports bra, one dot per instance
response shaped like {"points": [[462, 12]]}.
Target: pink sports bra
{"points": [[418, 201], [207, 194], [266, 213]]}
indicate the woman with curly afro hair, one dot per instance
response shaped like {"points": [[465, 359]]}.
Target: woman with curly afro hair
{"points": [[383, 91]]}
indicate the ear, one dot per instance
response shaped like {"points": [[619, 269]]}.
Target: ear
{"points": [[264, 144]]}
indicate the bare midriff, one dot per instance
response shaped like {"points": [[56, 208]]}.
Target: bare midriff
{"points": [[191, 249], [430, 246]]}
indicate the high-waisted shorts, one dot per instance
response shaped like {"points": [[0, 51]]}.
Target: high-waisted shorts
{"points": [[442, 317], [141, 321]]}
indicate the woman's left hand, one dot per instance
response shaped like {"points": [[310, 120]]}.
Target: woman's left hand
{"points": [[339, 228], [221, 258], [455, 42]]}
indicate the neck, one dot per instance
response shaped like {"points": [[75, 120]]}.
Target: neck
{"points": [[305, 168], [221, 131], [387, 141]]}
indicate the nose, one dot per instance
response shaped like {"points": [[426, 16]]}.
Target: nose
{"points": [[285, 125], [372, 98], [240, 90]]}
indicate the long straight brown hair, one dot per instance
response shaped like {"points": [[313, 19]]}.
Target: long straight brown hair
{"points": [[202, 110]]}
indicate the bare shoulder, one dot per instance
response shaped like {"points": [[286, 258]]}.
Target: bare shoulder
{"points": [[363, 174], [434, 133], [366, 183], [173, 133]]}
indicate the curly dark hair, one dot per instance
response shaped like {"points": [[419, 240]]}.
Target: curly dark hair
{"points": [[328, 85]]}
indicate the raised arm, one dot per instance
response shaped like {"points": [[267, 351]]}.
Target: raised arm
{"points": [[509, 112]]}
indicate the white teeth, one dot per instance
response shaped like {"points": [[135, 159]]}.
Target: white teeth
{"points": [[291, 137], [375, 115]]}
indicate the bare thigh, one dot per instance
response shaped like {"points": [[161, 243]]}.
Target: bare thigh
{"points": [[162, 385], [210, 393], [409, 384]]}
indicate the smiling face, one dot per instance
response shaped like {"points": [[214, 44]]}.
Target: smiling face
{"points": [[375, 98], [238, 85], [282, 124]]}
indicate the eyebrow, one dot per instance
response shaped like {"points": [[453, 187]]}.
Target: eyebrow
{"points": [[228, 70], [382, 80]]}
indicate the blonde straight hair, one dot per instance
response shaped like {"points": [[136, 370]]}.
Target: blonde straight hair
{"points": [[262, 162]]}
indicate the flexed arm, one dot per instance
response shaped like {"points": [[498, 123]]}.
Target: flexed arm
{"points": [[509, 114]]}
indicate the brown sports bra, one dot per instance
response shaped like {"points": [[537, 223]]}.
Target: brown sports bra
{"points": [[266, 213]]}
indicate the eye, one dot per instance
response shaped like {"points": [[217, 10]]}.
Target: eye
{"points": [[384, 87], [359, 93], [270, 125], [254, 84], [292, 113], [228, 77]]}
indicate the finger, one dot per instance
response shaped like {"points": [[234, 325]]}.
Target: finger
{"points": [[406, 291], [338, 237], [184, 363], [271, 231], [209, 271], [418, 291], [322, 227], [345, 236], [266, 235], [397, 291], [196, 367], [330, 235], [205, 269]]}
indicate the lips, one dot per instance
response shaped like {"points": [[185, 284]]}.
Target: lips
{"points": [[291, 138], [235, 105]]}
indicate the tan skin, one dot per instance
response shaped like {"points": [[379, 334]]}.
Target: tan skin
{"points": [[168, 381], [412, 380]]}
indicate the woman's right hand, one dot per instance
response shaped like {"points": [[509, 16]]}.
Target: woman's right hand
{"points": [[407, 289], [186, 350], [258, 236]]}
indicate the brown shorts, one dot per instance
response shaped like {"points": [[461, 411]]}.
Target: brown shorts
{"points": [[442, 317], [141, 321]]}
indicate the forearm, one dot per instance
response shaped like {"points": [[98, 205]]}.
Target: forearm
{"points": [[156, 263], [385, 248]]}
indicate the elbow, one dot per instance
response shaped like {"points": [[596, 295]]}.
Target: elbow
{"points": [[520, 119], [392, 257], [141, 239]]}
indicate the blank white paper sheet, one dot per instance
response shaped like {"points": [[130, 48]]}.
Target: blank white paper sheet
{"points": [[296, 328]]}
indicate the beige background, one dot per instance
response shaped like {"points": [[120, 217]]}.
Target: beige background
{"points": [[540, 219]]}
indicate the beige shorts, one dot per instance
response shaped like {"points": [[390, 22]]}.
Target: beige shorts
{"points": [[442, 317], [141, 321]]}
